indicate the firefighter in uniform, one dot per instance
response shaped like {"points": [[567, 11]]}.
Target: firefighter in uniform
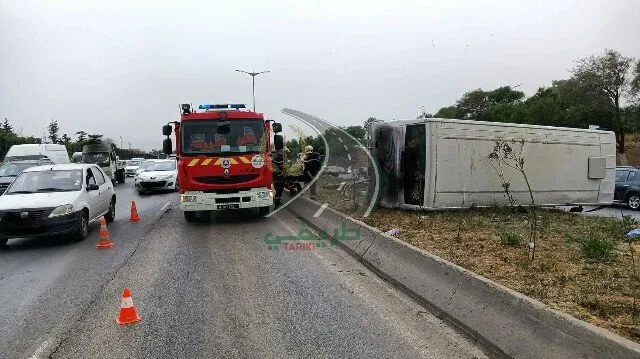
{"points": [[310, 169], [279, 180]]}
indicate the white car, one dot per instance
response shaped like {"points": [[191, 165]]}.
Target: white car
{"points": [[131, 166], [160, 175], [143, 166], [56, 200]]}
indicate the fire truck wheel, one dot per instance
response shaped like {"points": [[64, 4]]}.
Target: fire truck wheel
{"points": [[190, 216]]}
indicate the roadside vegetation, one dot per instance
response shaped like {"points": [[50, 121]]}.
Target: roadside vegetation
{"points": [[583, 265]]}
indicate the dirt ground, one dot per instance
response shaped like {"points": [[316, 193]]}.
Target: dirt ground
{"points": [[600, 292]]}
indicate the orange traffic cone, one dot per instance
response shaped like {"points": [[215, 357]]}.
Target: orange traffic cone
{"points": [[134, 212], [104, 241], [128, 312]]}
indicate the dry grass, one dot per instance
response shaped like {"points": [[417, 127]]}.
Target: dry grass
{"points": [[599, 293]]}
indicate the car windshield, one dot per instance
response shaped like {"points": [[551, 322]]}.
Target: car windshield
{"points": [[146, 164], [163, 166], [204, 137], [14, 169], [132, 163], [96, 158], [46, 181]]}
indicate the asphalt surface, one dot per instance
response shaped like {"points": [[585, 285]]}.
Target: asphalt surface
{"points": [[613, 211], [206, 290]]}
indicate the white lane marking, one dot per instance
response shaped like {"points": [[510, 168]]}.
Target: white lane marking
{"points": [[346, 148], [166, 205], [341, 185], [340, 139], [39, 353], [320, 210], [349, 156]]}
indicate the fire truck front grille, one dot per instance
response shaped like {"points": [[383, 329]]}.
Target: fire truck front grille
{"points": [[226, 180]]}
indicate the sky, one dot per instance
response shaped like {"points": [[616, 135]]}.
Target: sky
{"points": [[121, 68]]}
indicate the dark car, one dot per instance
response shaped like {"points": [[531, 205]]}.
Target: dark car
{"points": [[627, 187], [10, 170]]}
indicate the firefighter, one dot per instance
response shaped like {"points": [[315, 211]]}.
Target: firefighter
{"points": [[310, 168], [279, 179]]}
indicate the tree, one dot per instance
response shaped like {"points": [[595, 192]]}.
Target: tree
{"points": [[447, 112], [95, 138], [635, 82], [357, 132], [504, 95], [569, 103], [472, 104], [65, 139], [608, 74], [6, 127], [53, 131], [82, 136]]}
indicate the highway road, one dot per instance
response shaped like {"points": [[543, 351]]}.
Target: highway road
{"points": [[205, 290]]}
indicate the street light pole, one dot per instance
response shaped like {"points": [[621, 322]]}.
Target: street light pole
{"points": [[253, 84]]}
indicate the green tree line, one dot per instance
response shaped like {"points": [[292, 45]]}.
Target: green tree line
{"points": [[8, 138], [604, 90]]}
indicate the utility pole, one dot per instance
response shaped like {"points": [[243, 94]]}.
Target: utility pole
{"points": [[121, 142], [253, 84]]}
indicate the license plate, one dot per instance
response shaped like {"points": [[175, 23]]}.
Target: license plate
{"points": [[228, 206], [25, 225]]}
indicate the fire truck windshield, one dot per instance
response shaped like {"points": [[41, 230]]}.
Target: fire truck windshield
{"points": [[205, 137]]}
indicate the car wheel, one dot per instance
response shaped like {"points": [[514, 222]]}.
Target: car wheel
{"points": [[83, 228], [190, 216], [634, 201], [3, 242], [111, 215]]}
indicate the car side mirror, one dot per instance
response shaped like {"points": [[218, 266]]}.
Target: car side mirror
{"points": [[92, 187], [276, 127], [167, 146], [166, 130]]}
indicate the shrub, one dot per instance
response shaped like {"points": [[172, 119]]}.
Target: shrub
{"points": [[511, 239], [597, 248]]}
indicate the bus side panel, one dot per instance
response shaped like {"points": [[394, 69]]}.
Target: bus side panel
{"points": [[556, 165]]}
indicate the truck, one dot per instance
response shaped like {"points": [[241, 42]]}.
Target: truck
{"points": [[104, 156], [76, 157], [436, 164], [224, 158], [38, 152]]}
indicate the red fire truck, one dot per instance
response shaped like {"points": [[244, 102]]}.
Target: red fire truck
{"points": [[224, 158]]}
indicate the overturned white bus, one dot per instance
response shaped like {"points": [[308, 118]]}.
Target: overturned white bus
{"points": [[443, 163]]}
